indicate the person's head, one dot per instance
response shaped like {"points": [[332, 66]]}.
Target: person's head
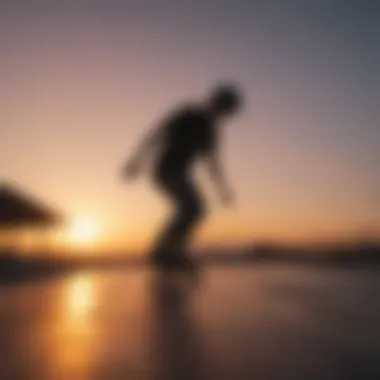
{"points": [[225, 100]]}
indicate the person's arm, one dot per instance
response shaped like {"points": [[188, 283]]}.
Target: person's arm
{"points": [[144, 149], [218, 177]]}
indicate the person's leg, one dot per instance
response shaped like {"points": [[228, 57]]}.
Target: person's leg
{"points": [[189, 210]]}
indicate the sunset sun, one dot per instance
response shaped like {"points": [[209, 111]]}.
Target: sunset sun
{"points": [[82, 231]]}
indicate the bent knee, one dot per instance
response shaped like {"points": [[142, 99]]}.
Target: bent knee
{"points": [[195, 211]]}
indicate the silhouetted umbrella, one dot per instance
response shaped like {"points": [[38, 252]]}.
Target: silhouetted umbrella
{"points": [[18, 209]]}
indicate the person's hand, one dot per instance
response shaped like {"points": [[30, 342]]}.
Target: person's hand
{"points": [[227, 198], [131, 170]]}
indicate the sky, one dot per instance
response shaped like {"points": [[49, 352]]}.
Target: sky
{"points": [[82, 80]]}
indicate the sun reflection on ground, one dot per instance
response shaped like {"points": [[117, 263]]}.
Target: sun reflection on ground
{"points": [[72, 343], [80, 298]]}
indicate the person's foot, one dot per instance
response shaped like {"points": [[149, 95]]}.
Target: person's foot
{"points": [[174, 261]]}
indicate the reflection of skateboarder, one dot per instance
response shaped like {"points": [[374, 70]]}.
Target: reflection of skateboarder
{"points": [[187, 135]]}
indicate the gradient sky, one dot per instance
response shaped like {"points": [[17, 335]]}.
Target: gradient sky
{"points": [[81, 81]]}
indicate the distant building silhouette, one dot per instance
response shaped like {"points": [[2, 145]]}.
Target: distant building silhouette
{"points": [[19, 210]]}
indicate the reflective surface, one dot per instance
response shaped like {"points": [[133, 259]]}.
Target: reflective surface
{"points": [[263, 322]]}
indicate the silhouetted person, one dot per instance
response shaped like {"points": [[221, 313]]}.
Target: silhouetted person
{"points": [[188, 135]]}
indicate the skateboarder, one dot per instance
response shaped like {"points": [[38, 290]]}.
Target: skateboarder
{"points": [[186, 136]]}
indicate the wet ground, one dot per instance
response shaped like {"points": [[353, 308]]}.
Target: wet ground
{"points": [[266, 322]]}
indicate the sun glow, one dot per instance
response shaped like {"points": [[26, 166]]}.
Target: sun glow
{"points": [[82, 231]]}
